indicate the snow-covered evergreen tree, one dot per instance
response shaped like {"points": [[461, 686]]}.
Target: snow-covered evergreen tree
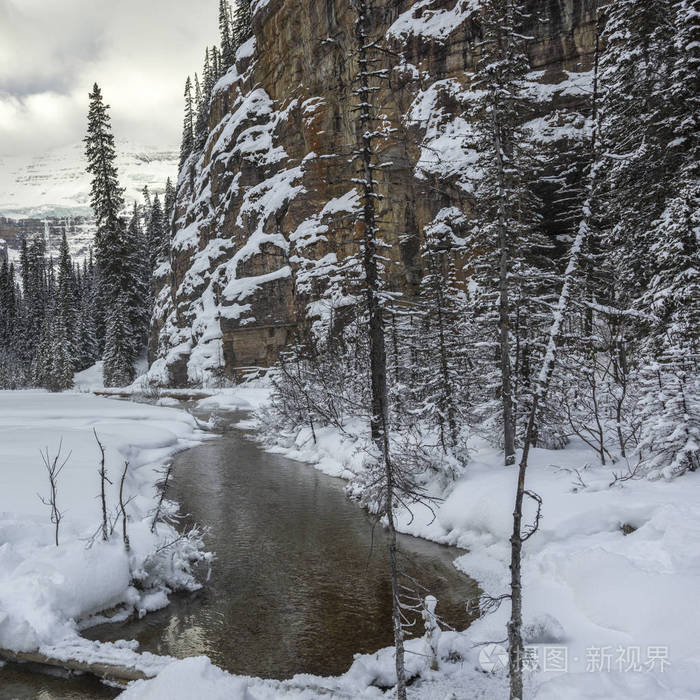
{"points": [[65, 298], [671, 404], [118, 255], [635, 73], [187, 145], [8, 306], [119, 356], [507, 251], [106, 196], [155, 234], [243, 22], [53, 363], [168, 207], [228, 47], [216, 64], [441, 375], [139, 263]]}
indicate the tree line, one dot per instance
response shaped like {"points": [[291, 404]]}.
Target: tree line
{"points": [[58, 317]]}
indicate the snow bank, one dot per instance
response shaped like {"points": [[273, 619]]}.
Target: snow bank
{"points": [[90, 379], [245, 398], [47, 591], [191, 678]]}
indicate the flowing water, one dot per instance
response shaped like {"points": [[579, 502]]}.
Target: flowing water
{"points": [[299, 584]]}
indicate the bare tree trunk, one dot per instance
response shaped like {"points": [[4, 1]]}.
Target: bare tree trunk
{"points": [[395, 589], [515, 624], [517, 538], [377, 333], [103, 479], [504, 302], [54, 469], [122, 506], [432, 631], [445, 371]]}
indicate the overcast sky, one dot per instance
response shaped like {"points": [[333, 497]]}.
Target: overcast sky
{"points": [[139, 51]]}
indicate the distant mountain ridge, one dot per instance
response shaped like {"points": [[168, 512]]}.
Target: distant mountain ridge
{"points": [[54, 184]]}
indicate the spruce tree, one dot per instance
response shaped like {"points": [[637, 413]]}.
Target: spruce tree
{"points": [[168, 206], [53, 363], [216, 64], [187, 145], [8, 306], [683, 120], [442, 376], [86, 330], [119, 356], [66, 302], [506, 244], [243, 23], [117, 256], [62, 365], [37, 295], [228, 49], [139, 263], [156, 239], [201, 127], [670, 439], [197, 93], [208, 77], [106, 196], [635, 73], [11, 366]]}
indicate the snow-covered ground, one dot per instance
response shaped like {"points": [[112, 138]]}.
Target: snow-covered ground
{"points": [[610, 580], [47, 593], [610, 577]]}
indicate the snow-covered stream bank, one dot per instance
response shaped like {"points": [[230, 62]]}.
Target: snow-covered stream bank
{"points": [[610, 581], [47, 593], [300, 577], [610, 578], [299, 583]]}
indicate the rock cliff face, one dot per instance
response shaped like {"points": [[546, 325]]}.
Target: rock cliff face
{"points": [[79, 230], [270, 201]]}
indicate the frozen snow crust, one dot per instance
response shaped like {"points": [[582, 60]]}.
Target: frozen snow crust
{"points": [[48, 593]]}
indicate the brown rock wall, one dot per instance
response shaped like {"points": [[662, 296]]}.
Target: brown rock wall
{"points": [[303, 63]]}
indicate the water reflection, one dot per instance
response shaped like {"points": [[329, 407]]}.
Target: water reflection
{"points": [[295, 588], [29, 682]]}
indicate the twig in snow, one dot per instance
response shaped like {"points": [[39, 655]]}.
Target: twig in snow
{"points": [[103, 479], [631, 473], [122, 505], [53, 469]]}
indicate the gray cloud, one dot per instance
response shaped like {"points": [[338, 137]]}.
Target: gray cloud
{"points": [[139, 52]]}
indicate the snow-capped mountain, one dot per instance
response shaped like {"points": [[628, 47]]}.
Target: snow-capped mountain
{"points": [[49, 193], [54, 184]]}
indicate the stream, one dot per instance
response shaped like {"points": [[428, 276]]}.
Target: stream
{"points": [[299, 584]]}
